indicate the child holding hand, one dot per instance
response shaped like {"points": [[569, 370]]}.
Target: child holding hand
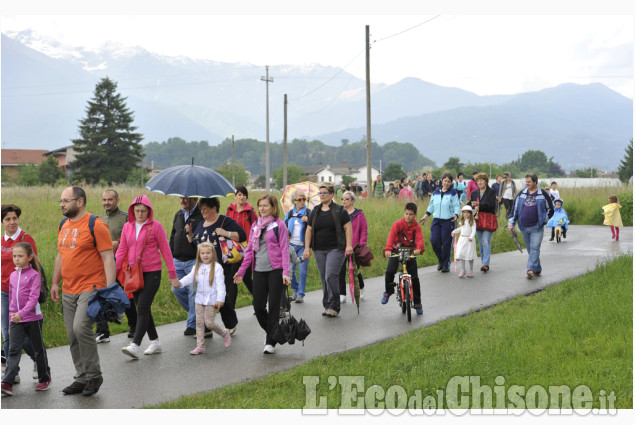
{"points": [[209, 282], [466, 245]]}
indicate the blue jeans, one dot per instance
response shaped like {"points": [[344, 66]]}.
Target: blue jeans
{"points": [[186, 296], [5, 330], [303, 271], [533, 238], [484, 245]]}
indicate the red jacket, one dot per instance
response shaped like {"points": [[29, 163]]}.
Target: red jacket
{"points": [[245, 219], [7, 255], [402, 234]]}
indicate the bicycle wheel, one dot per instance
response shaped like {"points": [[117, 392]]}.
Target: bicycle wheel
{"points": [[402, 301], [407, 305]]}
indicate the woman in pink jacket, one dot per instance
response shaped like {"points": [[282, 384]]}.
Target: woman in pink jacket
{"points": [[145, 238], [267, 254], [360, 237]]}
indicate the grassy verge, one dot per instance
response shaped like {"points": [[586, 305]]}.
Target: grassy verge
{"points": [[579, 332], [41, 216]]}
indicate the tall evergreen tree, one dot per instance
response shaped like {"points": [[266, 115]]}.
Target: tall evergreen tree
{"points": [[625, 170], [108, 147]]}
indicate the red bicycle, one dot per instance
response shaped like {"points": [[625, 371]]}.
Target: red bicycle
{"points": [[405, 296]]}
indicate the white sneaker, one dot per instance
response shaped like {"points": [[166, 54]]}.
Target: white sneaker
{"points": [[154, 347], [361, 294], [342, 299], [133, 350], [269, 349]]}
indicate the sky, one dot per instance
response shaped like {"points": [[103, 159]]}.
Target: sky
{"points": [[500, 51]]}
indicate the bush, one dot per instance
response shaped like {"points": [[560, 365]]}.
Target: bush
{"points": [[626, 201]]}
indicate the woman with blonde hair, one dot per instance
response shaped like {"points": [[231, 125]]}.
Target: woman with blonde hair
{"points": [[267, 253]]}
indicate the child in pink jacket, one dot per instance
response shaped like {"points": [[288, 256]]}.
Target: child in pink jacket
{"points": [[26, 317], [145, 238]]}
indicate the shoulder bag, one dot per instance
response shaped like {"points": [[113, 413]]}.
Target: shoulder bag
{"points": [[131, 276]]}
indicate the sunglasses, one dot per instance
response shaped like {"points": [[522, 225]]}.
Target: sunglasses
{"points": [[324, 193], [300, 199], [346, 199]]}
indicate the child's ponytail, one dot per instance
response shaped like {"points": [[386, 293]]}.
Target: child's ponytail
{"points": [[30, 253]]}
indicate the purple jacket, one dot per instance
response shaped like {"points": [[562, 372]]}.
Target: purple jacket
{"points": [[24, 290], [278, 248], [360, 228]]}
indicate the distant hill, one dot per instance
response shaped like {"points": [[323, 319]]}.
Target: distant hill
{"points": [[46, 86], [579, 125]]}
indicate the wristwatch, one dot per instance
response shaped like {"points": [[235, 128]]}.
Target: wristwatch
{"points": [[229, 235]]}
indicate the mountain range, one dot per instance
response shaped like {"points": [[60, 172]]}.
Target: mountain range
{"points": [[46, 86]]}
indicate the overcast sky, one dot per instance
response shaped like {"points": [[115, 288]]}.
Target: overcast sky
{"points": [[486, 54]]}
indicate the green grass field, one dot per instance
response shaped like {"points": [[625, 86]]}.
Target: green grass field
{"points": [[579, 332], [41, 217]]}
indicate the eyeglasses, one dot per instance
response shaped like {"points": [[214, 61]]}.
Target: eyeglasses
{"points": [[324, 193], [66, 201]]}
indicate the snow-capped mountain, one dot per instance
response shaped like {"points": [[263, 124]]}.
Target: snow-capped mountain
{"points": [[45, 87]]}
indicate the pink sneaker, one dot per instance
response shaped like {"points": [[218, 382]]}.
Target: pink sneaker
{"points": [[43, 386], [198, 350], [227, 338], [462, 273], [470, 274]]}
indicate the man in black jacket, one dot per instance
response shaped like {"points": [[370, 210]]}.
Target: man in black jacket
{"points": [[185, 256]]}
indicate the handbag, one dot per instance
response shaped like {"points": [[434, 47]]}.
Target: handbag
{"points": [[131, 276], [487, 221], [363, 255], [232, 252]]}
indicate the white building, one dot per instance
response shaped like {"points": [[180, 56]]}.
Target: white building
{"points": [[334, 174]]}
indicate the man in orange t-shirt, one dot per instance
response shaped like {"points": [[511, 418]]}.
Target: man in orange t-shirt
{"points": [[84, 264]]}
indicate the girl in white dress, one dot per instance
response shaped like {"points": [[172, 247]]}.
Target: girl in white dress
{"points": [[466, 245]]}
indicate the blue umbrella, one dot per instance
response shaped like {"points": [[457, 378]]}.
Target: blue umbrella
{"points": [[191, 181]]}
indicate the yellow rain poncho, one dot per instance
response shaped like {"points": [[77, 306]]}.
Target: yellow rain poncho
{"points": [[612, 215]]}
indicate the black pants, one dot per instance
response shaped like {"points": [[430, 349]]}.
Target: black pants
{"points": [[344, 276], [268, 285], [131, 314], [411, 268], [247, 280], [227, 311], [144, 299], [17, 333]]}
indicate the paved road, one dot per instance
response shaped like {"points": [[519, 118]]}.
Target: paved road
{"points": [[159, 378]]}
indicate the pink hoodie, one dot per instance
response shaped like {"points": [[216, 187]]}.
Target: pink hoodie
{"points": [[156, 246]]}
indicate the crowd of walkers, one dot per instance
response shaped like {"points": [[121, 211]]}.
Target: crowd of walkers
{"points": [[92, 251]]}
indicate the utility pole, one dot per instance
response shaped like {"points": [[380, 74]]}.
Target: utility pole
{"points": [[284, 146], [267, 80], [369, 178], [233, 164]]}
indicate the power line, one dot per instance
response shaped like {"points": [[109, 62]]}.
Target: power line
{"points": [[406, 30]]}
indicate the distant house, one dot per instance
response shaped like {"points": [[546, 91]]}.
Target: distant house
{"points": [[334, 174], [12, 158], [64, 156]]}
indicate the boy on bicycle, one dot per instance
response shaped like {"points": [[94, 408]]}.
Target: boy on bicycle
{"points": [[405, 232]]}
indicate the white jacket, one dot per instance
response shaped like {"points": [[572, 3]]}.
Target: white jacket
{"points": [[205, 294]]}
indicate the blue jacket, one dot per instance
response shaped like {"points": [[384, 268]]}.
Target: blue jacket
{"points": [[543, 203], [112, 299], [444, 207]]}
